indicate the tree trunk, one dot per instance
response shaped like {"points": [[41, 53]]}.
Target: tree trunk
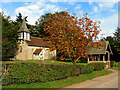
{"points": [[74, 62]]}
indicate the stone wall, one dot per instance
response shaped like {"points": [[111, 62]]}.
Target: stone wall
{"points": [[27, 52]]}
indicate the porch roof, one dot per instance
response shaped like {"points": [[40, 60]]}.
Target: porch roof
{"points": [[94, 51], [37, 51]]}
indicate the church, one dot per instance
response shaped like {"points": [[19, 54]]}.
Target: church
{"points": [[32, 48]]}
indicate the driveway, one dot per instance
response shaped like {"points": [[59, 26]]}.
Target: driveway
{"points": [[106, 81]]}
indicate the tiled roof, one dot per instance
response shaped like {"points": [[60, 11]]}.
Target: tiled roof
{"points": [[103, 49], [23, 27], [39, 42], [37, 51]]}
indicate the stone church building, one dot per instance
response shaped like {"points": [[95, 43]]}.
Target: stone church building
{"points": [[32, 48]]}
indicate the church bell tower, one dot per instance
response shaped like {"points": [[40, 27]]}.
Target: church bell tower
{"points": [[23, 32]]}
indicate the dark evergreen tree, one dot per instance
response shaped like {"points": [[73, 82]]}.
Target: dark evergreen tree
{"points": [[117, 42], [9, 38], [115, 45]]}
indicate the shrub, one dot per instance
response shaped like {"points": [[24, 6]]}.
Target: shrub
{"points": [[98, 66], [118, 65], [115, 64], [75, 70], [87, 69], [29, 72], [112, 63]]}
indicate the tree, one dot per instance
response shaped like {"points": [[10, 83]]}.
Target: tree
{"points": [[9, 38], [19, 20], [117, 43], [117, 34], [69, 36], [40, 25], [32, 28]]}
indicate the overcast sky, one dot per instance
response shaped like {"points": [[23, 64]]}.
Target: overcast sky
{"points": [[106, 12]]}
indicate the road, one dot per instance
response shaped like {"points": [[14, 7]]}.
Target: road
{"points": [[106, 81]]}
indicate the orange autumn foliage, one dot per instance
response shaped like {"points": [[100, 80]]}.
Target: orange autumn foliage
{"points": [[71, 36]]}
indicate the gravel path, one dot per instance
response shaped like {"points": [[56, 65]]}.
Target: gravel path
{"points": [[106, 81]]}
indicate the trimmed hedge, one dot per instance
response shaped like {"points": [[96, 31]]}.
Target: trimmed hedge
{"points": [[29, 72], [98, 66]]}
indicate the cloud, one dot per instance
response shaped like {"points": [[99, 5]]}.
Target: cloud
{"points": [[109, 24], [54, 0], [90, 2], [35, 10], [78, 7], [71, 3], [26, 3], [80, 14], [95, 8], [0, 10], [106, 5], [33, 7], [103, 6]]}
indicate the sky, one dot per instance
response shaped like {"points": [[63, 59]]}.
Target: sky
{"points": [[106, 12]]}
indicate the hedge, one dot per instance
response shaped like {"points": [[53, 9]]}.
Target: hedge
{"points": [[29, 72], [98, 66]]}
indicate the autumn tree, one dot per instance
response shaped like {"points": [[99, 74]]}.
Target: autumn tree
{"points": [[40, 24], [71, 36]]}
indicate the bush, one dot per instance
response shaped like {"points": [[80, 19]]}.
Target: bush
{"points": [[112, 63], [87, 69], [115, 64], [29, 72], [118, 65], [98, 66]]}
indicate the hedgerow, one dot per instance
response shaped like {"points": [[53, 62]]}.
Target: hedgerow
{"points": [[29, 72]]}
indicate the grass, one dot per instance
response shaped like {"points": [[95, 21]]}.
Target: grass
{"points": [[115, 68], [56, 61], [46, 61], [61, 83]]}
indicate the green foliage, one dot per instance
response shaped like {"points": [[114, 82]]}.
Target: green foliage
{"points": [[87, 69], [98, 66], [29, 72], [60, 83], [9, 37], [40, 26], [112, 63], [115, 45]]}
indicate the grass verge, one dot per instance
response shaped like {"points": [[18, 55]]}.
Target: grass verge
{"points": [[62, 83], [46, 61], [115, 68]]}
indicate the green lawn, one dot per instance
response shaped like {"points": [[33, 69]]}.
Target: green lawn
{"points": [[46, 61], [56, 61], [115, 68], [62, 83]]}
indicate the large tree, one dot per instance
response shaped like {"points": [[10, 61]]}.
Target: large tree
{"points": [[40, 25], [69, 36], [32, 28], [115, 45], [9, 38]]}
